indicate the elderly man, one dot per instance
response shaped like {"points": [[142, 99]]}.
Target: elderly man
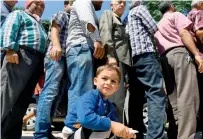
{"points": [[174, 43], [24, 40], [54, 66], [145, 73], [115, 41], [6, 8]]}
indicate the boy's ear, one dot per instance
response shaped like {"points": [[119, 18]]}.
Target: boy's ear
{"points": [[95, 80]]}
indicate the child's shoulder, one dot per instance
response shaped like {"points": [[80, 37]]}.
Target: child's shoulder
{"points": [[94, 93]]}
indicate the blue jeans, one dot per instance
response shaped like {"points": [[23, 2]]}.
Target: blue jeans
{"points": [[147, 74], [49, 97], [80, 72]]}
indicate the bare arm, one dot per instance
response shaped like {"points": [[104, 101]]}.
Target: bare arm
{"points": [[55, 31], [189, 43], [56, 51], [199, 33]]}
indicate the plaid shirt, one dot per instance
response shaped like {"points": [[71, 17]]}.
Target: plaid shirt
{"points": [[141, 26], [20, 28], [62, 19]]}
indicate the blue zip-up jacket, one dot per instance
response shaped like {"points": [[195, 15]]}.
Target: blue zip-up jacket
{"points": [[89, 111]]}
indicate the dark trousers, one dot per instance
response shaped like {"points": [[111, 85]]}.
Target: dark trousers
{"points": [[145, 77], [200, 117], [182, 90], [18, 83]]}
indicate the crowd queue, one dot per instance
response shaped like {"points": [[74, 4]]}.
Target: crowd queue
{"points": [[100, 60]]}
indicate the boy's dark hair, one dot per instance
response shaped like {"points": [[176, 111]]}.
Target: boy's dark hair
{"points": [[66, 2], [109, 67], [164, 6]]}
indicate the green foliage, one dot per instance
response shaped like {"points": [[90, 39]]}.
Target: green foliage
{"points": [[181, 6]]}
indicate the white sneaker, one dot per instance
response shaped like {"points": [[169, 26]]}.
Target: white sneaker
{"points": [[66, 131]]}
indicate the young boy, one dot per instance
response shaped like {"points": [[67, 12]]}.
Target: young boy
{"points": [[93, 111]]}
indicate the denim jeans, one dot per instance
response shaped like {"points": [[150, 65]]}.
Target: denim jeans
{"points": [[146, 71], [80, 72], [49, 97]]}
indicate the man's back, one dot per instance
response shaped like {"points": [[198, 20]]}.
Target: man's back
{"points": [[169, 28], [82, 13]]}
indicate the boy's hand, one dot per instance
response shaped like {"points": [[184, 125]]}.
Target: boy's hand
{"points": [[121, 130]]}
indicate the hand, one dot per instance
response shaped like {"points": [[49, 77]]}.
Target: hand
{"points": [[98, 50], [121, 130], [12, 56], [55, 53], [111, 60], [199, 61]]}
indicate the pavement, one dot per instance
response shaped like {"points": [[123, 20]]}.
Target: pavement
{"points": [[57, 134], [29, 134]]}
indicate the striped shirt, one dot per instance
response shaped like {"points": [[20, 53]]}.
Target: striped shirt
{"points": [[62, 19], [82, 13], [20, 28], [141, 26]]}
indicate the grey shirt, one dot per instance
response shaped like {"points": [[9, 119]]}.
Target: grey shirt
{"points": [[82, 13], [114, 37]]}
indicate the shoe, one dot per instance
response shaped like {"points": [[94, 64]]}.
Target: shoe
{"points": [[66, 132]]}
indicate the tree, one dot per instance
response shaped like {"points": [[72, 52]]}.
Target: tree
{"points": [[181, 6]]}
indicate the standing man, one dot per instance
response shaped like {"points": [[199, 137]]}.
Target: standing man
{"points": [[6, 8], [146, 73], [196, 16], [174, 41], [25, 41], [83, 45], [117, 47], [54, 63]]}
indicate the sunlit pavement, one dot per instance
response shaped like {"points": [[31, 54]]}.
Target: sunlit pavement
{"points": [[57, 134], [29, 134]]}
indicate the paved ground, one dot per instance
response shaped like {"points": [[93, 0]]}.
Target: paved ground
{"points": [[29, 134]]}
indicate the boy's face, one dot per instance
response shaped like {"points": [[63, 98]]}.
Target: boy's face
{"points": [[107, 82]]}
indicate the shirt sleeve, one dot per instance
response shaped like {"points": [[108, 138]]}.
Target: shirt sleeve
{"points": [[86, 113], [86, 14], [182, 22], [147, 20], [10, 31], [198, 24], [105, 29], [59, 18]]}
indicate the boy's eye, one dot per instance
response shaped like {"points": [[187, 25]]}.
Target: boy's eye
{"points": [[114, 81], [104, 78]]}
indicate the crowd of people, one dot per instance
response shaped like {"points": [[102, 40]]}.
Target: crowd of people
{"points": [[99, 61]]}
